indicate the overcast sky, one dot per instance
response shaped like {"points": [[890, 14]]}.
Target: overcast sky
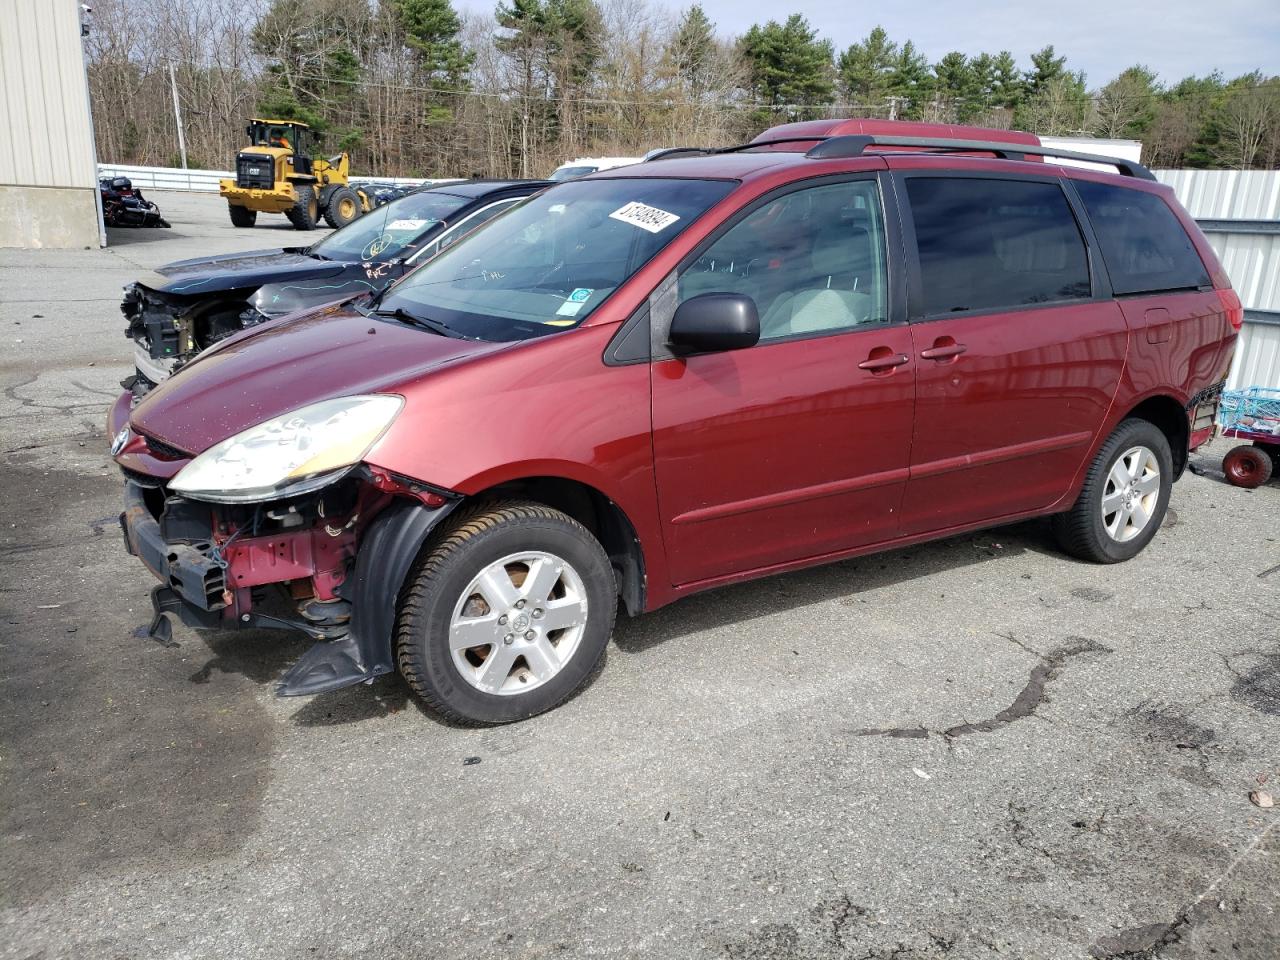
{"points": [[1102, 37]]}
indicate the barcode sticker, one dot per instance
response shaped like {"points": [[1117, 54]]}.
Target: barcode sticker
{"points": [[645, 217]]}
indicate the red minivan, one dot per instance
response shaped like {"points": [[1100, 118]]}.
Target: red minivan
{"points": [[662, 378]]}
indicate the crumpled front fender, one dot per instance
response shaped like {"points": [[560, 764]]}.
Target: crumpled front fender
{"points": [[383, 560]]}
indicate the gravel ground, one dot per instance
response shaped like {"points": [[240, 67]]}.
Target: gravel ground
{"points": [[970, 749]]}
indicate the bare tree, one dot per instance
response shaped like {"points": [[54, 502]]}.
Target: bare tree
{"points": [[1248, 119]]}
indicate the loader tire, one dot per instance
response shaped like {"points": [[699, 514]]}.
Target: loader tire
{"points": [[305, 210], [241, 216], [342, 208]]}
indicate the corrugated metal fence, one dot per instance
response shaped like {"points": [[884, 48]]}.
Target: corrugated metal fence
{"points": [[1239, 211]]}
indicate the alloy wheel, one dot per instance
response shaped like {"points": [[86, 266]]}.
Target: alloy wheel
{"points": [[518, 622], [1131, 494]]}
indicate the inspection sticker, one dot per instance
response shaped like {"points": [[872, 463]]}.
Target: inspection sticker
{"points": [[645, 217], [574, 302]]}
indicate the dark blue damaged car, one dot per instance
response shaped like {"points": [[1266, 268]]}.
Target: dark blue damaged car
{"points": [[187, 306]]}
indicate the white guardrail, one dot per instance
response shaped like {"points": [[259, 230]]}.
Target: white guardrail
{"points": [[206, 181]]}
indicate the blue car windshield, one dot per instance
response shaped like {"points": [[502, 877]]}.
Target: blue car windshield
{"points": [[548, 263], [385, 232]]}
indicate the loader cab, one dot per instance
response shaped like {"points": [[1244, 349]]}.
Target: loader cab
{"points": [[285, 139], [275, 133]]}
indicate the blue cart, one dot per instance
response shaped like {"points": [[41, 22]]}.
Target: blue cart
{"points": [[1254, 415]]}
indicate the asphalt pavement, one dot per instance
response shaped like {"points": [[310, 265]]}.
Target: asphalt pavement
{"points": [[974, 748]]}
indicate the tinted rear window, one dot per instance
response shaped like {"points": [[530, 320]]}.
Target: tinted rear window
{"points": [[1145, 246], [989, 244]]}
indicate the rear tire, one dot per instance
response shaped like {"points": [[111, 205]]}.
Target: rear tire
{"points": [[343, 207], [241, 216], [305, 210], [1248, 467], [513, 595], [1124, 498]]}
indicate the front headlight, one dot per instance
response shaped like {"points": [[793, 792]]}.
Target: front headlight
{"points": [[301, 451]]}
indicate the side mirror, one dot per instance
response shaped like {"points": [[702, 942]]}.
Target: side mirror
{"points": [[714, 321]]}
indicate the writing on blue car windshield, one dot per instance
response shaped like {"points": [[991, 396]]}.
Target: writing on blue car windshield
{"points": [[384, 233], [550, 262]]}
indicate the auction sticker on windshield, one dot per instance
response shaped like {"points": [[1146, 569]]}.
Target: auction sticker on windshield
{"points": [[645, 217]]}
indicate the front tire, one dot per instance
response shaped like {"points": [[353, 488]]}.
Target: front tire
{"points": [[241, 216], [305, 210], [507, 615], [1124, 498]]}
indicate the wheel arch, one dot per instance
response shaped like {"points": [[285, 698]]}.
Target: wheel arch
{"points": [[596, 511], [1170, 415]]}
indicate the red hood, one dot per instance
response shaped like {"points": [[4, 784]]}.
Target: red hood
{"points": [[281, 366]]}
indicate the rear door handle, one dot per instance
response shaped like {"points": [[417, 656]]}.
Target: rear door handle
{"points": [[944, 348], [884, 362]]}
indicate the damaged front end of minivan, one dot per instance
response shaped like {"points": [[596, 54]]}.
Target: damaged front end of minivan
{"points": [[170, 329], [281, 527]]}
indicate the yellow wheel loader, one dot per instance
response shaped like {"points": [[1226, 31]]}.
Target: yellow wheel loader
{"points": [[278, 174]]}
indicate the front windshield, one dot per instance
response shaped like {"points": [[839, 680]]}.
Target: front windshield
{"points": [[384, 233], [571, 173], [276, 135], [548, 263]]}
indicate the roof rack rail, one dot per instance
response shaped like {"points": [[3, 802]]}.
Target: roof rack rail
{"points": [[855, 145], [672, 153]]}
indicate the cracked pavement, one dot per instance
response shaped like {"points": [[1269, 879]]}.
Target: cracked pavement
{"points": [[974, 748]]}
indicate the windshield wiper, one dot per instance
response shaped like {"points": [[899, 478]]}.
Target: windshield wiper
{"points": [[404, 316]]}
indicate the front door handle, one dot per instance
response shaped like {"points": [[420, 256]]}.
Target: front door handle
{"points": [[943, 349], [883, 361]]}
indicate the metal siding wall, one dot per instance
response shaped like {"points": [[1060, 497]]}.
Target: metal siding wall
{"points": [[44, 109], [1226, 194], [1253, 264], [1251, 259], [1257, 359]]}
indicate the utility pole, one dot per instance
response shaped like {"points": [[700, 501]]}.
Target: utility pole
{"points": [[177, 115]]}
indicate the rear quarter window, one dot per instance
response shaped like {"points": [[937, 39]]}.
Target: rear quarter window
{"points": [[1145, 246]]}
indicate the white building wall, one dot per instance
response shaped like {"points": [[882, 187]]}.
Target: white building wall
{"points": [[48, 170]]}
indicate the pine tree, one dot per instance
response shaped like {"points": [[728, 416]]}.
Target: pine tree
{"points": [[692, 50], [1126, 106], [1006, 82], [865, 69], [788, 63], [431, 29], [1046, 68], [911, 80]]}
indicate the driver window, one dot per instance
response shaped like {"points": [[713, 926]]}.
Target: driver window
{"points": [[813, 260]]}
